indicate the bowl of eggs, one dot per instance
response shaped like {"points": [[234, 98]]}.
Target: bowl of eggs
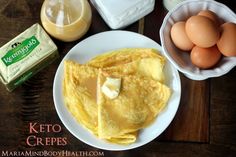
{"points": [[199, 38]]}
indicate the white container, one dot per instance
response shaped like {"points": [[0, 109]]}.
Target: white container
{"points": [[121, 13], [181, 60]]}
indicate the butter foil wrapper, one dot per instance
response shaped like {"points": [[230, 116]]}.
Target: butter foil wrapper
{"points": [[25, 55]]}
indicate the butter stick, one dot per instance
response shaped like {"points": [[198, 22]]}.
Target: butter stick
{"points": [[25, 55]]}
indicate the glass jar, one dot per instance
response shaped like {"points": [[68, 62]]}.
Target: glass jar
{"points": [[170, 4], [66, 20]]}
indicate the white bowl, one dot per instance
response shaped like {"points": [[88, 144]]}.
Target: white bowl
{"points": [[181, 60]]}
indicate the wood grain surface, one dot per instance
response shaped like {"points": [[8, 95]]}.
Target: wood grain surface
{"points": [[192, 120], [205, 124]]}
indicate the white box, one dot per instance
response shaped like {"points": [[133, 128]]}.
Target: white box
{"points": [[121, 13]]}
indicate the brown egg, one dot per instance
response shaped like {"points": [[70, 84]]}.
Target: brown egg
{"points": [[211, 15], [227, 41], [179, 37], [205, 58], [202, 31]]}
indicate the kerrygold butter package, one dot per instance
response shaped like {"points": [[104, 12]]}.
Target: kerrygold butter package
{"points": [[25, 55]]}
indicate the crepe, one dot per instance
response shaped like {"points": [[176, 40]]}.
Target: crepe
{"points": [[79, 90], [132, 61], [123, 56], [139, 102], [142, 94], [146, 67]]}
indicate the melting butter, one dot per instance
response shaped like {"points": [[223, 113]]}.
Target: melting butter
{"points": [[111, 87]]}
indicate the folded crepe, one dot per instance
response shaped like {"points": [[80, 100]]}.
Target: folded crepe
{"points": [[132, 61], [79, 90], [139, 101]]}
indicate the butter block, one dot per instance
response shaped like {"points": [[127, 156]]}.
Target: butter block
{"points": [[121, 13], [25, 55]]}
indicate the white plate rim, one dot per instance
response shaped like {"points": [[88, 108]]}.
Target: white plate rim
{"points": [[114, 147]]}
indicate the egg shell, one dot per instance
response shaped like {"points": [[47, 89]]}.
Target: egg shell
{"points": [[205, 58], [202, 31], [211, 15], [180, 38], [227, 41]]}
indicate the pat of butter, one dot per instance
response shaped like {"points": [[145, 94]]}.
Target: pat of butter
{"points": [[111, 87], [25, 55], [121, 13]]}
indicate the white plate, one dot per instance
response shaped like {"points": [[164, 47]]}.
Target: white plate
{"points": [[98, 44]]}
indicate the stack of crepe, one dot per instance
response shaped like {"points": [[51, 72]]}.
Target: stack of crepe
{"points": [[143, 94]]}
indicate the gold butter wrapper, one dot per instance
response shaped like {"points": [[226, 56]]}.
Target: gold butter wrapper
{"points": [[25, 55]]}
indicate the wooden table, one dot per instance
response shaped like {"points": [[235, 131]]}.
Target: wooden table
{"points": [[205, 124]]}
